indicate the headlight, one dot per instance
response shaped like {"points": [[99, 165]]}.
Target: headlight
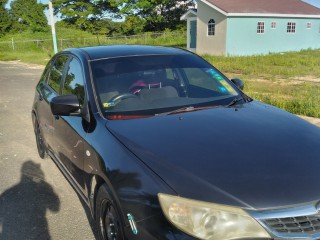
{"points": [[210, 221]]}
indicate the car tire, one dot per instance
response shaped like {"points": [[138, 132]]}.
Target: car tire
{"points": [[107, 216], [42, 149]]}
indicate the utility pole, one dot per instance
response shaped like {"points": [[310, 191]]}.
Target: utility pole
{"points": [[53, 29]]}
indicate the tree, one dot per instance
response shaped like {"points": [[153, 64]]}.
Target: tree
{"points": [[5, 21], [158, 14], [85, 14], [28, 14], [132, 25], [106, 27], [140, 15]]}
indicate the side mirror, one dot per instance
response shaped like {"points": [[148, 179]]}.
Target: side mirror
{"points": [[238, 82], [65, 105]]}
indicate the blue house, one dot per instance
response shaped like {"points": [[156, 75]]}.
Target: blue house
{"points": [[250, 27]]}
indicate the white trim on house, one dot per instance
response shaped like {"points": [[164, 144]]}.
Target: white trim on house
{"points": [[258, 14], [271, 15], [186, 15]]}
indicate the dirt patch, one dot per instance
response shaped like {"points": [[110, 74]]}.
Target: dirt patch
{"points": [[292, 80], [315, 121], [261, 80], [299, 80], [306, 79]]}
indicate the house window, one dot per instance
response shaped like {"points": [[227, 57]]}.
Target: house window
{"points": [[260, 28], [211, 27], [291, 27], [274, 25], [309, 24]]}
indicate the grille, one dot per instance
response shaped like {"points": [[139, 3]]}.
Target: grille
{"points": [[295, 225]]}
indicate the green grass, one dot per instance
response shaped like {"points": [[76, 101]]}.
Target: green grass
{"points": [[36, 57], [60, 32], [38, 52], [278, 79], [38, 47], [290, 81], [272, 66], [301, 97]]}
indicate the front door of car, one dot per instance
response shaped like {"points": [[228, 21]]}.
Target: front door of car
{"points": [[69, 131]]}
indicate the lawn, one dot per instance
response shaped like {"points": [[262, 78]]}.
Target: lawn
{"points": [[299, 97], [290, 81], [38, 48], [272, 66]]}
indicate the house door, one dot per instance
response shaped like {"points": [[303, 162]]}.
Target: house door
{"points": [[193, 33]]}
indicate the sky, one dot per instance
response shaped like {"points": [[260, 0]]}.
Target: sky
{"points": [[312, 2]]}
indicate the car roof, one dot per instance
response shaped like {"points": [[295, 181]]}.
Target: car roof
{"points": [[101, 52]]}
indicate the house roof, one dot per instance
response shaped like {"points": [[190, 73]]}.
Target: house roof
{"points": [[191, 13], [263, 7]]}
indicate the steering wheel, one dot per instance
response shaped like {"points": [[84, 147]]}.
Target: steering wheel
{"points": [[123, 96], [136, 87], [139, 85]]}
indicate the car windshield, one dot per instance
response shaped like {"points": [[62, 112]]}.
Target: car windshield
{"points": [[154, 84]]}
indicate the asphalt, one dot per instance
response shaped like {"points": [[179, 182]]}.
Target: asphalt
{"points": [[36, 201]]}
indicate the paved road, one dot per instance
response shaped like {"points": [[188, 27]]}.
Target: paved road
{"points": [[36, 202]]}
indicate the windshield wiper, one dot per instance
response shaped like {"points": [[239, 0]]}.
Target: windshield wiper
{"points": [[192, 108], [234, 101], [185, 109]]}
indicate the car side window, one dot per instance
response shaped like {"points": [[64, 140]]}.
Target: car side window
{"points": [[74, 81], [57, 72], [170, 74], [44, 76]]}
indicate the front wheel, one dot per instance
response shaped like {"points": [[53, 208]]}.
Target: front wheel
{"points": [[42, 150], [107, 216]]}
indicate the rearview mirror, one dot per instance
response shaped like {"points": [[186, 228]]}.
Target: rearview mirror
{"points": [[66, 105], [238, 82]]}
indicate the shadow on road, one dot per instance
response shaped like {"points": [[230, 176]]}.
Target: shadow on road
{"points": [[23, 207]]}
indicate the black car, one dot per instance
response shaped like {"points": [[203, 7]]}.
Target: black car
{"points": [[161, 145]]}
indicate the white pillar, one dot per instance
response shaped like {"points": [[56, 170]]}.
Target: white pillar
{"points": [[53, 29]]}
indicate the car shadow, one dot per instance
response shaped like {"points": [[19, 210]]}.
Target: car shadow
{"points": [[23, 207]]}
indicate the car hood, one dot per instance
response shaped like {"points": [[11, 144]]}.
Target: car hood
{"points": [[252, 155]]}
